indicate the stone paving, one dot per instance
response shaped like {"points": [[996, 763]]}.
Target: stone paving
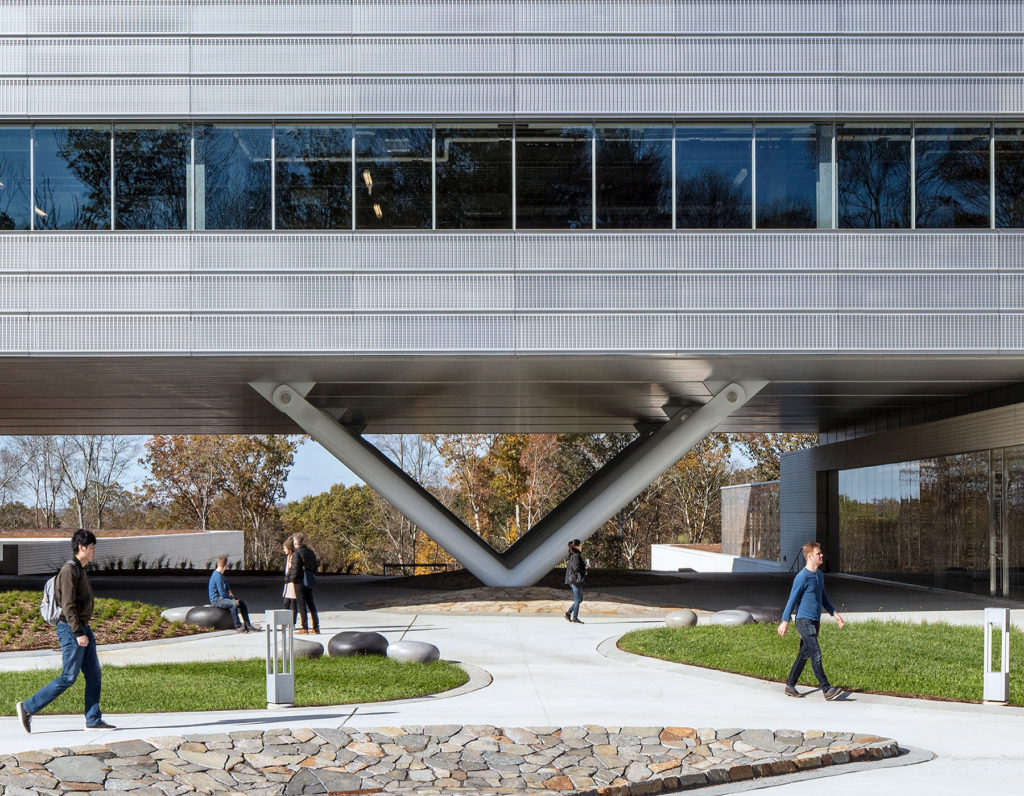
{"points": [[517, 600], [434, 760]]}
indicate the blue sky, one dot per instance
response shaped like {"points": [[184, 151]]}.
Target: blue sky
{"points": [[315, 471]]}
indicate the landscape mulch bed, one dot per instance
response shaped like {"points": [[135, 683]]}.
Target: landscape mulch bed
{"points": [[461, 579]]}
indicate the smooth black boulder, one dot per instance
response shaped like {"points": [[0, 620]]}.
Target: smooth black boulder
{"points": [[355, 642], [209, 616]]}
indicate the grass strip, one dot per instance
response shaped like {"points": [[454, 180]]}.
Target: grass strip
{"points": [[240, 685], [933, 660]]}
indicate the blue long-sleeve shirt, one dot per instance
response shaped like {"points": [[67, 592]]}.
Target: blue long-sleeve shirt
{"points": [[808, 596], [218, 586]]}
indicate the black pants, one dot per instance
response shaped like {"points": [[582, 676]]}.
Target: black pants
{"points": [[809, 650], [306, 604]]}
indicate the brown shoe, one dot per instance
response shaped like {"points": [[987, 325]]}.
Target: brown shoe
{"points": [[302, 632]]}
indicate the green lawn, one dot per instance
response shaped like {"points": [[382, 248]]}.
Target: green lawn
{"points": [[234, 685], [932, 660]]}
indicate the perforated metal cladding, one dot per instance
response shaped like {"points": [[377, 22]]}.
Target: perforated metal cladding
{"points": [[108, 16], [271, 16], [13, 97], [105, 56], [271, 96], [69, 251], [126, 293], [756, 332], [746, 96], [133, 97], [14, 253], [603, 55], [561, 332], [438, 250], [911, 96], [595, 16], [919, 332], [561, 96], [395, 96], [272, 292], [926, 55], [942, 291], [934, 251], [432, 292], [13, 57], [14, 336], [114, 334], [433, 16], [256, 56], [13, 292], [433, 56]]}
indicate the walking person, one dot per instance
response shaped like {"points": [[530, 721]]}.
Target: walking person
{"points": [[303, 575], [575, 575], [807, 597], [290, 595], [221, 596], [73, 593]]}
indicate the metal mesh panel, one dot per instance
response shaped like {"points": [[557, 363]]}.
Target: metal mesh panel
{"points": [[749, 95], [14, 337], [755, 16], [433, 16], [445, 292], [926, 16], [68, 98], [108, 16], [13, 57], [451, 55], [291, 292], [116, 334], [138, 293], [561, 96], [974, 291], [433, 251], [627, 332], [69, 251], [923, 332], [595, 16], [13, 292], [756, 332], [248, 55], [916, 55], [910, 96], [107, 56], [271, 96], [271, 16], [13, 97], [931, 251], [803, 55], [574, 55], [14, 253], [427, 96]]}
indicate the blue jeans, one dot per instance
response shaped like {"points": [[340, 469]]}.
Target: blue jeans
{"points": [[74, 659], [809, 650], [234, 609], [577, 596]]}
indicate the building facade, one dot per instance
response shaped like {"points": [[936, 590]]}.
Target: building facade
{"points": [[509, 215]]}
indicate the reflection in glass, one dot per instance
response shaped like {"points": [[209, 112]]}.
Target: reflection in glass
{"points": [[232, 177], [952, 166], [873, 173], [1010, 176], [72, 185], [794, 176], [474, 177], [553, 177], [713, 177], [393, 177], [634, 177], [314, 177], [151, 164], [15, 178], [1013, 516]]}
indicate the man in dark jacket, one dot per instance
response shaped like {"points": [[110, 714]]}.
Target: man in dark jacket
{"points": [[575, 574], [77, 644], [303, 575]]}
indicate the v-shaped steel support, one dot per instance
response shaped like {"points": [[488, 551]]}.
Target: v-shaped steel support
{"points": [[577, 517]]}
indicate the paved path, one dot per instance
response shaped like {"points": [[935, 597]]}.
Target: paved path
{"points": [[547, 672]]}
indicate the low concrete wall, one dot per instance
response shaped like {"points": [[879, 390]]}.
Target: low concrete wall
{"points": [[41, 556], [673, 557]]}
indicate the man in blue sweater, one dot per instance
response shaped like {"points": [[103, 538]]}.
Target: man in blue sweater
{"points": [[807, 597], [222, 597]]}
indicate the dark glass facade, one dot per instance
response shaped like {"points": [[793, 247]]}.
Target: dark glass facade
{"points": [[714, 172], [151, 176], [634, 177], [1009, 146], [953, 188], [313, 177], [951, 522], [474, 177], [873, 176], [394, 177], [232, 176], [794, 176], [553, 177], [72, 177], [15, 178]]}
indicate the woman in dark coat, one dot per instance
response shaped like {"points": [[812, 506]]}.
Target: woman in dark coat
{"points": [[575, 574]]}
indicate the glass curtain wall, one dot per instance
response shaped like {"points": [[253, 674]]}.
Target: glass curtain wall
{"points": [[151, 176], [794, 176], [951, 522], [714, 172], [952, 165], [873, 176], [232, 176], [474, 177], [393, 177], [1009, 176], [313, 177], [634, 177], [72, 177], [15, 178], [553, 177]]}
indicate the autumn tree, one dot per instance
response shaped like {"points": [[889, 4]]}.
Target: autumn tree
{"points": [[694, 484], [186, 471], [766, 450], [340, 525]]}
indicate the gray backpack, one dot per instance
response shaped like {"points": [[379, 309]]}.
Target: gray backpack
{"points": [[48, 605]]}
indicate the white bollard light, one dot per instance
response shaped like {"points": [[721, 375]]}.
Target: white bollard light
{"points": [[280, 659], [997, 683]]}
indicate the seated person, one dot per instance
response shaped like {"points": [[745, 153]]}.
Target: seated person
{"points": [[221, 597]]}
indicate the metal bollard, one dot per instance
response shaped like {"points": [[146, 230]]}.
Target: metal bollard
{"points": [[280, 659], [997, 683]]}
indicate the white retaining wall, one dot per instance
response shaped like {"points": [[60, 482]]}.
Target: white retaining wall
{"points": [[672, 558], [201, 549]]}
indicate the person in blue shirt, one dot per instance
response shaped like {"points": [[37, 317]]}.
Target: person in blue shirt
{"points": [[221, 597], [807, 598]]}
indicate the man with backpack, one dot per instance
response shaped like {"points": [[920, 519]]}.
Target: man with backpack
{"points": [[73, 593], [303, 575]]}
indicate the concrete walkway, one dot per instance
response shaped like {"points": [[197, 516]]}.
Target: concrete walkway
{"points": [[547, 672]]}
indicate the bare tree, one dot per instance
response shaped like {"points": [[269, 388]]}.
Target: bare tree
{"points": [[42, 476], [92, 465], [12, 466]]}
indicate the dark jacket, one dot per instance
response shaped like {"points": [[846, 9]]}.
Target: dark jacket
{"points": [[73, 594], [575, 569], [303, 561]]}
